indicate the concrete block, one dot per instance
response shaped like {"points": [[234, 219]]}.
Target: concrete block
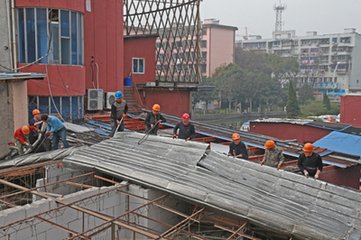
{"points": [[24, 233], [76, 225], [55, 234], [15, 214], [31, 210]]}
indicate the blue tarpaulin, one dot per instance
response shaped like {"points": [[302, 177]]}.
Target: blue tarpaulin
{"points": [[341, 142]]}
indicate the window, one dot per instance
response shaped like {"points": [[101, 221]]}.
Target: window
{"points": [[138, 65], [50, 36]]}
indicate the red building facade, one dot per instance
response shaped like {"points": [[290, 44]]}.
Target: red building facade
{"points": [[78, 44], [350, 110]]}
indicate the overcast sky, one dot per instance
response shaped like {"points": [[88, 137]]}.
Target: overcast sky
{"points": [[323, 16]]}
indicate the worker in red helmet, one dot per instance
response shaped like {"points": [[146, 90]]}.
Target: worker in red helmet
{"points": [[21, 137], [186, 129], [237, 148], [153, 119], [273, 156], [309, 162]]}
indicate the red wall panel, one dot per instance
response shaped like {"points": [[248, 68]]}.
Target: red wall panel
{"points": [[78, 5], [349, 177], [64, 80], [287, 131], [143, 47], [103, 45], [174, 102], [351, 110]]}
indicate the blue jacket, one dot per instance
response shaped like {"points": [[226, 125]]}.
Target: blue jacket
{"points": [[54, 124]]}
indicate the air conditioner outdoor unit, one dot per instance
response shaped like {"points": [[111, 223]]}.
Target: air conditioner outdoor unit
{"points": [[95, 99], [109, 100]]}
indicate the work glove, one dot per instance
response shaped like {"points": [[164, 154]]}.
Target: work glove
{"points": [[174, 135], [262, 162], [317, 176], [306, 173], [48, 134]]}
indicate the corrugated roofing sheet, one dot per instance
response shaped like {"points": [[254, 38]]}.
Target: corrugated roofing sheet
{"points": [[280, 201], [341, 142]]}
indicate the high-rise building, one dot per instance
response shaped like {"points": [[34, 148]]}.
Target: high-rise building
{"points": [[330, 62]]}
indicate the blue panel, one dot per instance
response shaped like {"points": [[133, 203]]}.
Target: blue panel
{"points": [[44, 104], [64, 17], [74, 59], [30, 34], [65, 107], [341, 142], [54, 53], [81, 107], [54, 110], [21, 35], [80, 38], [42, 34], [75, 107], [65, 51]]}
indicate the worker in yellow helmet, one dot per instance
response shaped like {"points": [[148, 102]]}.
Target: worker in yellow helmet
{"points": [[273, 156], [237, 148], [153, 119]]}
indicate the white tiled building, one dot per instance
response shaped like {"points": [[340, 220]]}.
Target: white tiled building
{"points": [[331, 62]]}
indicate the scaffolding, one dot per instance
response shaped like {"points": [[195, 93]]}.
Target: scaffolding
{"points": [[201, 223], [177, 24]]}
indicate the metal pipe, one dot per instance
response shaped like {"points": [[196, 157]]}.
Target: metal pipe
{"points": [[14, 51]]}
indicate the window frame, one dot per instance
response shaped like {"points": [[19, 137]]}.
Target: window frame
{"points": [[23, 42], [138, 59]]}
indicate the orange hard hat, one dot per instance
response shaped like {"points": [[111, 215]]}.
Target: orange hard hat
{"points": [[235, 136], [269, 144], [35, 112], [156, 107], [25, 130], [308, 147], [185, 116]]}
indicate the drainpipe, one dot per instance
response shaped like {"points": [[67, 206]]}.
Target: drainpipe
{"points": [[13, 41]]}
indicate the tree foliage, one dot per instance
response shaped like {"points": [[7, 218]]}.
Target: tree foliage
{"points": [[292, 107], [254, 81], [305, 94], [326, 102]]}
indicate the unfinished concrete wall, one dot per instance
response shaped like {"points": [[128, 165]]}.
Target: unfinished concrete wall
{"points": [[19, 93], [6, 110], [112, 203], [56, 173], [34, 229], [5, 42]]}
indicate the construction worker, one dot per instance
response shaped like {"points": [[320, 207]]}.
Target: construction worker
{"points": [[237, 148], [56, 128], [153, 119], [309, 162], [186, 129], [33, 136], [273, 156], [21, 136], [119, 110]]}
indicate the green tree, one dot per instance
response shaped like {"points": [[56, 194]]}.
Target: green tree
{"points": [[305, 94], [326, 102], [292, 107]]}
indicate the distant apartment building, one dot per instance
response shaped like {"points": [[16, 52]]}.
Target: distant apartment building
{"points": [[217, 46], [213, 47], [330, 62]]}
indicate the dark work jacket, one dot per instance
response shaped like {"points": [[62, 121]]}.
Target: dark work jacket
{"points": [[151, 119], [235, 150], [185, 131], [311, 163], [118, 109]]}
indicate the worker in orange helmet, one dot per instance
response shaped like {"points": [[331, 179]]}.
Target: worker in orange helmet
{"points": [[309, 162], [237, 148], [273, 156], [35, 121], [21, 137], [153, 119], [186, 129]]}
